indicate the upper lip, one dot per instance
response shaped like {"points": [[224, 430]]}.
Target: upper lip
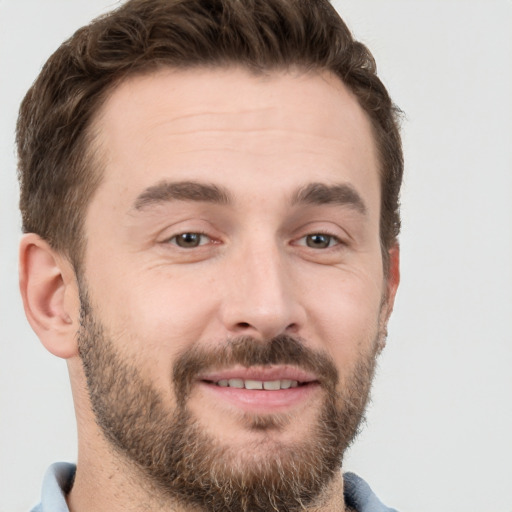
{"points": [[260, 373]]}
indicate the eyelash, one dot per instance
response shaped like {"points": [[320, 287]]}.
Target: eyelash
{"points": [[333, 240], [174, 239]]}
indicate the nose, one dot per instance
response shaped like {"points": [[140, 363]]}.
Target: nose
{"points": [[261, 298]]}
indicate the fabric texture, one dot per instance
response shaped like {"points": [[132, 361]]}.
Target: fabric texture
{"points": [[59, 480]]}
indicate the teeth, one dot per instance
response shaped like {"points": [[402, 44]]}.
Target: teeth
{"points": [[236, 383], [272, 384], [253, 384], [268, 385]]}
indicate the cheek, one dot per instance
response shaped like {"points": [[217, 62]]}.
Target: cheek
{"points": [[156, 315], [344, 313]]}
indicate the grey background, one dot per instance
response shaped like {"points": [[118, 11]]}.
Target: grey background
{"points": [[438, 434]]}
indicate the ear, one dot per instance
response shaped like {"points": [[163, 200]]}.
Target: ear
{"points": [[50, 295], [392, 278], [391, 282]]}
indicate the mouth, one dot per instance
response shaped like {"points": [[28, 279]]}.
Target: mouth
{"points": [[261, 390], [267, 385]]}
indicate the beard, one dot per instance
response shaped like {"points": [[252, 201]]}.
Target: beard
{"points": [[186, 464]]}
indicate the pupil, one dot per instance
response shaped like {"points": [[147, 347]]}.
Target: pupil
{"points": [[318, 241], [188, 240]]}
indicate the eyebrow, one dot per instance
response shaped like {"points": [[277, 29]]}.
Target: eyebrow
{"points": [[314, 193], [340, 194], [166, 191]]}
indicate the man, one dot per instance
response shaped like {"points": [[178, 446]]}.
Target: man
{"points": [[209, 192]]}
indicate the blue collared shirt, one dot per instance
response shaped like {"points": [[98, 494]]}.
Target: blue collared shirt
{"points": [[59, 480]]}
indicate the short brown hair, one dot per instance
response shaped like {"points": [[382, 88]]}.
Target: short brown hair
{"points": [[57, 171]]}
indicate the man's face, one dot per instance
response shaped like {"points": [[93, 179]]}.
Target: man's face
{"points": [[233, 282]]}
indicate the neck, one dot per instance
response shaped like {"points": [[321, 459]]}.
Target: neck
{"points": [[110, 483]]}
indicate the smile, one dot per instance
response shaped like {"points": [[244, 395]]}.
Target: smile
{"points": [[261, 389], [267, 385]]}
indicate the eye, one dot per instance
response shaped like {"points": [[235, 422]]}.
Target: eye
{"points": [[320, 241], [189, 240]]}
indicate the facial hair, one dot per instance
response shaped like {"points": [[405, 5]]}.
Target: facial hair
{"points": [[188, 465]]}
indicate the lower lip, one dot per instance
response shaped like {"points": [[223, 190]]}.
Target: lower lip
{"points": [[262, 401]]}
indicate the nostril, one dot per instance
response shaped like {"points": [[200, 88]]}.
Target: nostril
{"points": [[292, 328], [244, 325]]}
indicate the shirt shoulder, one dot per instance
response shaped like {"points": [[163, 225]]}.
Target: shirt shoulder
{"points": [[57, 482], [360, 497]]}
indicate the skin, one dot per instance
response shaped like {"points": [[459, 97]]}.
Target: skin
{"points": [[260, 140]]}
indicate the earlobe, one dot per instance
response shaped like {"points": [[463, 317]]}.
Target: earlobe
{"points": [[50, 295]]}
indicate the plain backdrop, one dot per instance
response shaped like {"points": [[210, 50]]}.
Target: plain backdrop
{"points": [[438, 432]]}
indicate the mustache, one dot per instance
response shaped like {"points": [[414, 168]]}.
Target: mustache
{"points": [[248, 351]]}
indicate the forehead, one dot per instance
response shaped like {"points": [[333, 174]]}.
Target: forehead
{"points": [[230, 123]]}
